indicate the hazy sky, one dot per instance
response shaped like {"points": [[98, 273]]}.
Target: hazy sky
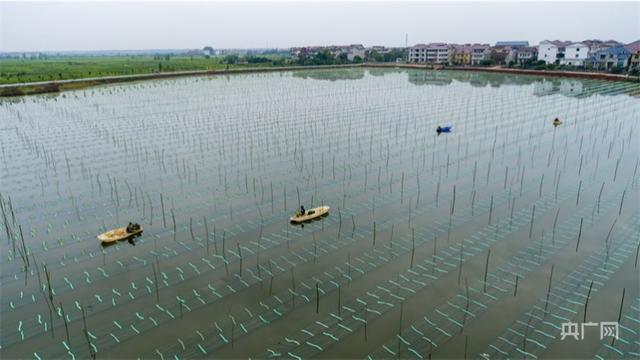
{"points": [[29, 26]]}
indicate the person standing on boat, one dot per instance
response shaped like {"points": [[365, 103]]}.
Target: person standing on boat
{"points": [[302, 210], [130, 228]]}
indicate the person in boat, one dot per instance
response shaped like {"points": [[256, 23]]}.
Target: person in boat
{"points": [[302, 210], [556, 122], [132, 227], [439, 130]]}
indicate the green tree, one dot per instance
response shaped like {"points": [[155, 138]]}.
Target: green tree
{"points": [[231, 59], [374, 56], [342, 58], [325, 57], [394, 54]]}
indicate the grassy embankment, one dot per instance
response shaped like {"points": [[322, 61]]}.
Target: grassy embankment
{"points": [[42, 72], [14, 71]]}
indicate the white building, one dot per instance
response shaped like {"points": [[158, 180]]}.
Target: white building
{"points": [[434, 53], [551, 51], [479, 53], [575, 55], [355, 50]]}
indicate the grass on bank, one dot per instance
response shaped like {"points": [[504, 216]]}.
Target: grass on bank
{"points": [[14, 71]]}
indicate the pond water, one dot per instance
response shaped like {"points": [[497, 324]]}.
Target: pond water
{"points": [[481, 242]]}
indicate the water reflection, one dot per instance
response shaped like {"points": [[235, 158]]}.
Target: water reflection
{"points": [[541, 86], [567, 87], [331, 75]]}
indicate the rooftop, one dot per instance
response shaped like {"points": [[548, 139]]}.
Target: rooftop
{"points": [[634, 46]]}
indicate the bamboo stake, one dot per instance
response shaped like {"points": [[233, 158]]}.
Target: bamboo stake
{"points": [[486, 267], [466, 343], [206, 232], [155, 281], [491, 210], [374, 234], [86, 333], [193, 238], [413, 246], [400, 327], [391, 237], [619, 211], [317, 298], [599, 196], [66, 325], [460, 263], [533, 214], [240, 255], [549, 289], [464, 318], [402, 189], [473, 200], [586, 302], [541, 183], [613, 340], [579, 234], [553, 232], [435, 246], [453, 202], [173, 216], [164, 221], [578, 196], [365, 324]]}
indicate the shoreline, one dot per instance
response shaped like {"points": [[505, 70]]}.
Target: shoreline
{"points": [[555, 73], [23, 89], [34, 88]]}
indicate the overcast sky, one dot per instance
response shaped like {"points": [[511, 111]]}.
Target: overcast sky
{"points": [[162, 25]]}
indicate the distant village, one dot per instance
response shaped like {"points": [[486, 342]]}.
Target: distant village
{"points": [[599, 55], [592, 55]]}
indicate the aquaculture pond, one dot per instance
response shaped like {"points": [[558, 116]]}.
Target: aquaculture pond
{"points": [[484, 242]]}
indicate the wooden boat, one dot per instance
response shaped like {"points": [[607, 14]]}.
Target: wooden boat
{"points": [[309, 214], [117, 235]]}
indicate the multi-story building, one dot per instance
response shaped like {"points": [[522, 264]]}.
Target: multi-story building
{"points": [[518, 55], [433, 53], [462, 54], [575, 54], [525, 54], [606, 59], [595, 44], [479, 53], [634, 49], [552, 51]]}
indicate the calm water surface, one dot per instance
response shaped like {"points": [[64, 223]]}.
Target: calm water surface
{"points": [[477, 243]]}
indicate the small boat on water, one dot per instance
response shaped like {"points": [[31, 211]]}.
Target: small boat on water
{"points": [[444, 129], [557, 122], [118, 234], [309, 214]]}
